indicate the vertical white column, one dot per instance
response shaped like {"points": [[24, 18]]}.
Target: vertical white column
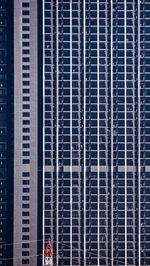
{"points": [[98, 239], [43, 135], [125, 96], [134, 108], [106, 32], [70, 132], [139, 143], [84, 45], [20, 166], [57, 132], [112, 229]]}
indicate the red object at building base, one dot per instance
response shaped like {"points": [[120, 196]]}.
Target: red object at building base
{"points": [[48, 250], [48, 254]]}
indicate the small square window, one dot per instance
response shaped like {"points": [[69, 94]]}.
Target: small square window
{"points": [[26, 174], [25, 75], [26, 98], [25, 28], [26, 122], [25, 229], [26, 44], [26, 51], [26, 59], [26, 190], [26, 129], [26, 67], [25, 245], [25, 261], [25, 206], [26, 153], [26, 198], [25, 36], [26, 182], [26, 114], [26, 83], [25, 4], [25, 222], [26, 137], [26, 91], [26, 106], [26, 145], [26, 161], [25, 12], [25, 213], [25, 237], [25, 253], [25, 20]]}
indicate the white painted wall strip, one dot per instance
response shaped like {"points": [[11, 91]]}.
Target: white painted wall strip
{"points": [[125, 89], [139, 143], [70, 132], [84, 59], [134, 108], [98, 205], [112, 231], [43, 174]]}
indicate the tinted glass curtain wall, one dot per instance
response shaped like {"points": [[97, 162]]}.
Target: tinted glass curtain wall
{"points": [[4, 84], [96, 131]]}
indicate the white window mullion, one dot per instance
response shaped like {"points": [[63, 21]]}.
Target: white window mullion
{"points": [[112, 233], [57, 132], [106, 138], [70, 132], [139, 143]]}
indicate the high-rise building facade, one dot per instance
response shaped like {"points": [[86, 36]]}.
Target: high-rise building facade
{"points": [[81, 132], [96, 131]]}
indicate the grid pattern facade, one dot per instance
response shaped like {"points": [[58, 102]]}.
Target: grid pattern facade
{"points": [[3, 129], [96, 131]]}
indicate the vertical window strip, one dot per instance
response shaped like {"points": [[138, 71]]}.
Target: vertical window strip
{"points": [[84, 109], [70, 132]]}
